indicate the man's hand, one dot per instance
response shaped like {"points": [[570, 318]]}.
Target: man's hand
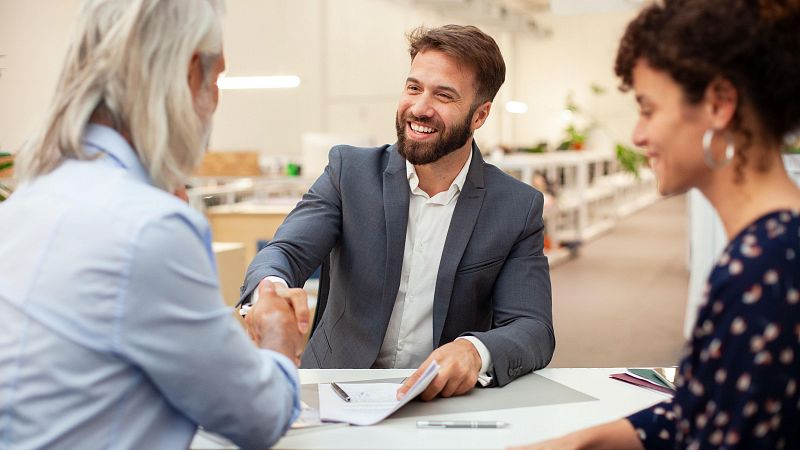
{"points": [[279, 322], [460, 364], [298, 300]]}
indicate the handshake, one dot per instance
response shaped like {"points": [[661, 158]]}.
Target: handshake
{"points": [[279, 320]]}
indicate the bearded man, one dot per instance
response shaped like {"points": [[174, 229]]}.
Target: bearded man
{"points": [[433, 254]]}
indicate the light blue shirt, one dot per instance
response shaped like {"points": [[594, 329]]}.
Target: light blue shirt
{"points": [[113, 333]]}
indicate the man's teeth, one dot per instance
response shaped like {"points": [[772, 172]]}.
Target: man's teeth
{"points": [[421, 129]]}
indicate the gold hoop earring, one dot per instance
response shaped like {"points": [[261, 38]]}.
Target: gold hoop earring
{"points": [[730, 149]]}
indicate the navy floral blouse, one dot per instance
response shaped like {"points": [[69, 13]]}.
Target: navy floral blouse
{"points": [[738, 385]]}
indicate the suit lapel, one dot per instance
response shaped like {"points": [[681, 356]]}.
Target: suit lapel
{"points": [[463, 222], [395, 207]]}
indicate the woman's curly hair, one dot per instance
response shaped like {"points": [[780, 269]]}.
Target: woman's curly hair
{"points": [[754, 44]]}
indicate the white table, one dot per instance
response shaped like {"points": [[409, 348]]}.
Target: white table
{"points": [[614, 400]]}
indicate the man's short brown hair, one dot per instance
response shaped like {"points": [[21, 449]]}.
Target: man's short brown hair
{"points": [[468, 45]]}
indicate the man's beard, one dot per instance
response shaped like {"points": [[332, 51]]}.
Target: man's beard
{"points": [[419, 153]]}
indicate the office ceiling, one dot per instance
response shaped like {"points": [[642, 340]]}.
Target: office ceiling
{"points": [[512, 15], [520, 15]]}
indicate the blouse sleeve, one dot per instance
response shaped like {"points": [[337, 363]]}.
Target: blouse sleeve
{"points": [[655, 426]]}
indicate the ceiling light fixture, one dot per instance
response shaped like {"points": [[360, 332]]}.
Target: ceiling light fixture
{"points": [[516, 107]]}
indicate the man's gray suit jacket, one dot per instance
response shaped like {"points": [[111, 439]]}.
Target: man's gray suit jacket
{"points": [[493, 281]]}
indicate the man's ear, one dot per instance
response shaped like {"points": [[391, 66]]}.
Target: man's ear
{"points": [[480, 115], [195, 74], [722, 100]]}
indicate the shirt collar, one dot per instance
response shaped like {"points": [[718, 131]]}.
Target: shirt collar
{"points": [[102, 139], [455, 187]]}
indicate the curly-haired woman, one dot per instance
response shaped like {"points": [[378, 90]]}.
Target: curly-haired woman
{"points": [[718, 86]]}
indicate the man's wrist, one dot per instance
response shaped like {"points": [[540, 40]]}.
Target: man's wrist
{"points": [[484, 378], [477, 361], [484, 357]]}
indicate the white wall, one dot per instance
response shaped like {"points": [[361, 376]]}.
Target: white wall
{"points": [[351, 57], [270, 38], [580, 52], [365, 65], [33, 36]]}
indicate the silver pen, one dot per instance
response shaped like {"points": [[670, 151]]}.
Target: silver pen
{"points": [[340, 392], [461, 424]]}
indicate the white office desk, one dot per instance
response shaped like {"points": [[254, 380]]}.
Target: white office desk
{"points": [[614, 399]]}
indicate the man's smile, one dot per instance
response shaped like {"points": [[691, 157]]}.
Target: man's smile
{"points": [[419, 131]]}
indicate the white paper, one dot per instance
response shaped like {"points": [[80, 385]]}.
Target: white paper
{"points": [[309, 417], [369, 402], [309, 421]]}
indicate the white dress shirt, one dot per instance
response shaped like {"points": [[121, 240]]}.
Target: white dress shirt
{"points": [[409, 337]]}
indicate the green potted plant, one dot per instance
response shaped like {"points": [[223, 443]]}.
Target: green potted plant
{"points": [[630, 160], [791, 156], [574, 139], [575, 136], [540, 147], [6, 163]]}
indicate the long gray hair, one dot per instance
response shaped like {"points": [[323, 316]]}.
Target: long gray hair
{"points": [[129, 61]]}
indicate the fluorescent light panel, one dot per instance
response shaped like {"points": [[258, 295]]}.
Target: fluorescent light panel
{"points": [[273, 82], [516, 107]]}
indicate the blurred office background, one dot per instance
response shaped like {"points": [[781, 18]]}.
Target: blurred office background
{"points": [[623, 259]]}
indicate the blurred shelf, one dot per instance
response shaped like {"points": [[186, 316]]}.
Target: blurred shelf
{"points": [[591, 192]]}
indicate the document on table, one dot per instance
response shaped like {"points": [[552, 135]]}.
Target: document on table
{"points": [[369, 402]]}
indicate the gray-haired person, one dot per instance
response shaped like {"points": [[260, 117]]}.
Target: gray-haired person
{"points": [[113, 333]]}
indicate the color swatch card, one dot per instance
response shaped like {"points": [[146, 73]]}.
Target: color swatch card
{"points": [[648, 379]]}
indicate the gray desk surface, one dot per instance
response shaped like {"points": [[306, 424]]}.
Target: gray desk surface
{"points": [[547, 404], [528, 391]]}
